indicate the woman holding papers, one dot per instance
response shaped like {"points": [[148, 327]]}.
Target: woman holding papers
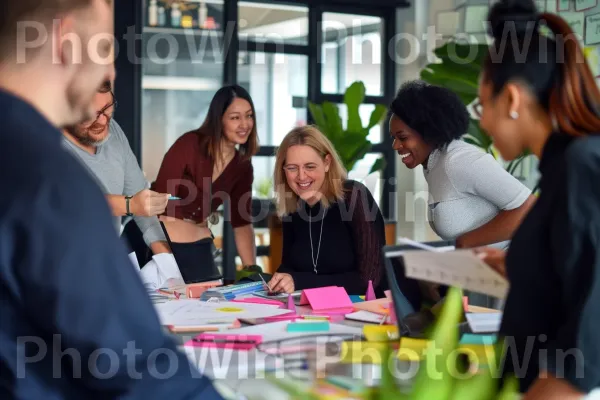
{"points": [[545, 99], [472, 199], [333, 230], [203, 168]]}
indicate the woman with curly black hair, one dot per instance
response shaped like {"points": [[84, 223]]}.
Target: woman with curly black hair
{"points": [[472, 199]]}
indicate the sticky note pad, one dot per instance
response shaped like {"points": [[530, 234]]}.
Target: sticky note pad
{"points": [[321, 326], [469, 338]]}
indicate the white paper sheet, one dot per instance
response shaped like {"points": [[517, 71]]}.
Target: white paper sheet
{"points": [[461, 268], [484, 322], [278, 330], [365, 316], [192, 311], [161, 272]]}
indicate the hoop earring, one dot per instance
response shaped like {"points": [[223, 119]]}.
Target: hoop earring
{"points": [[514, 115]]}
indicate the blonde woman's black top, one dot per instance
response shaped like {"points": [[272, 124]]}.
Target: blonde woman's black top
{"points": [[552, 315], [337, 246]]}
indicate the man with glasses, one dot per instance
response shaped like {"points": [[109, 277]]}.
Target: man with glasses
{"points": [[103, 148]]}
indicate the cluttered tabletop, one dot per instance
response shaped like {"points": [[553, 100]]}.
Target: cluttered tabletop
{"points": [[322, 341]]}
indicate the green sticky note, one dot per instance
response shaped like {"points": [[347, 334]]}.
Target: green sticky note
{"points": [[470, 338], [321, 326]]}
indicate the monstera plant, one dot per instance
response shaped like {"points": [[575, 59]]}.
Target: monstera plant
{"points": [[349, 137], [457, 68]]}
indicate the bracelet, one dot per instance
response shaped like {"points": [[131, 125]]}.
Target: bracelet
{"points": [[128, 211]]}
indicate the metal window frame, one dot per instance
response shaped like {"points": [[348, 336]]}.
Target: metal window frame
{"points": [[129, 20]]}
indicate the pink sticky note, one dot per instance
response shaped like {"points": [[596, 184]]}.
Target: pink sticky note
{"points": [[466, 303], [330, 297], [388, 295], [225, 341], [257, 300], [334, 311]]}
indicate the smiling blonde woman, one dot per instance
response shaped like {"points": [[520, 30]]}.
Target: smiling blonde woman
{"points": [[333, 230]]}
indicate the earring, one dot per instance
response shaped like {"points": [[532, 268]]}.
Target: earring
{"points": [[514, 115]]}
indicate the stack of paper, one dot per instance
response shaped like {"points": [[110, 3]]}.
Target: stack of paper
{"points": [[196, 312], [461, 268], [484, 322]]}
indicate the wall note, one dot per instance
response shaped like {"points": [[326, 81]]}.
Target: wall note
{"points": [[576, 21], [563, 5], [581, 5], [592, 29]]}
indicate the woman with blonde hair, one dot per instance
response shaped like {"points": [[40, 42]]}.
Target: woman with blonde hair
{"points": [[333, 230]]}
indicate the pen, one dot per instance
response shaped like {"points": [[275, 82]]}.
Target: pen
{"points": [[265, 283], [235, 341]]}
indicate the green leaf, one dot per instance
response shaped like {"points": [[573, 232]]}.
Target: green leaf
{"points": [[475, 131], [334, 122], [354, 96], [376, 116], [482, 386], [510, 390], [457, 73], [466, 93], [434, 380], [467, 55], [378, 165], [318, 116], [470, 140]]}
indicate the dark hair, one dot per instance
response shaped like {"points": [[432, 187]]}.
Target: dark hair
{"points": [[211, 131], [554, 69], [435, 113]]}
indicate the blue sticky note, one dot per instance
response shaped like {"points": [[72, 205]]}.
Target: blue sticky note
{"points": [[471, 338], [174, 198], [355, 298], [308, 326]]}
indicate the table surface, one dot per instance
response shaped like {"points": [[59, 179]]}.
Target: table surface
{"points": [[240, 374]]}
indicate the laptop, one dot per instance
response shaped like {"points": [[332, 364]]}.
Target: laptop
{"points": [[410, 322], [193, 274]]}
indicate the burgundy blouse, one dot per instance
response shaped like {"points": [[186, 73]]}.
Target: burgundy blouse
{"points": [[186, 172]]}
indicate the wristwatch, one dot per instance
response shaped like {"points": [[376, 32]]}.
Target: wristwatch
{"points": [[128, 212]]}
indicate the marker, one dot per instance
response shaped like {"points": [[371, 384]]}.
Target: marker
{"points": [[174, 198]]}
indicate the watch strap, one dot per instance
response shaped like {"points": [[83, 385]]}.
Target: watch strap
{"points": [[128, 210]]}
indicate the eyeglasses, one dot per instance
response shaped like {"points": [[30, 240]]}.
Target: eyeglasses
{"points": [[477, 108], [294, 169], [108, 109]]}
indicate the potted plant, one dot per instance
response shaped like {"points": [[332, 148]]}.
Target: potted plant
{"points": [[349, 137], [457, 69]]}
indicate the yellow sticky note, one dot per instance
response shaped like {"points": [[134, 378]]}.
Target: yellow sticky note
{"points": [[380, 333], [229, 309]]}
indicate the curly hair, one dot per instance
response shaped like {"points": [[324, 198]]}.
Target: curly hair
{"points": [[435, 113]]}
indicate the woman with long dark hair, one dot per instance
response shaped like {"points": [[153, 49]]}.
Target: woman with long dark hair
{"points": [[538, 93], [203, 168]]}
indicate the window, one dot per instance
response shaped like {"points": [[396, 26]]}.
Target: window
{"points": [[361, 173], [352, 50], [182, 70], [262, 187], [278, 84], [274, 23]]}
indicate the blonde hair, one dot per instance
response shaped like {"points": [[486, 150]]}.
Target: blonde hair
{"points": [[333, 186]]}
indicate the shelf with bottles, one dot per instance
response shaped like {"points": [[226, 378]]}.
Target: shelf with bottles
{"points": [[180, 14]]}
